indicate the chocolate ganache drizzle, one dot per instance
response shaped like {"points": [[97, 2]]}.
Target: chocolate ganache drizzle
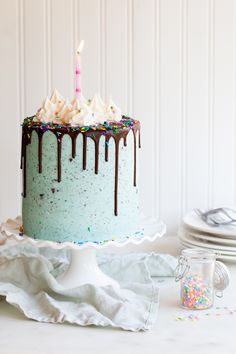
{"points": [[115, 130]]}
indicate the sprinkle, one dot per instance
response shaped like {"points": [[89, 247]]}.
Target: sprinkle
{"points": [[180, 318], [193, 317], [196, 293], [123, 124]]}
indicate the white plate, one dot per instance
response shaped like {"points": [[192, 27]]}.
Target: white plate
{"points": [[218, 248], [212, 238], [221, 257], [194, 221]]}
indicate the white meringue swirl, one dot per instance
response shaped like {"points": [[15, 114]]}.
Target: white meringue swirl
{"points": [[77, 113]]}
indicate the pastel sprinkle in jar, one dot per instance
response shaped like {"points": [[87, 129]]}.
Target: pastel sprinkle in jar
{"points": [[200, 276]]}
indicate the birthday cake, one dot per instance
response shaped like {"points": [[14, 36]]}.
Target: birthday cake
{"points": [[80, 172]]}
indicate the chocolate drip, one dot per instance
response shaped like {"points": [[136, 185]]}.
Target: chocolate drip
{"points": [[84, 151], [135, 148], [96, 141], [59, 159], [73, 142], [95, 135], [117, 141], [24, 164], [26, 139], [139, 138], [22, 146], [40, 138]]}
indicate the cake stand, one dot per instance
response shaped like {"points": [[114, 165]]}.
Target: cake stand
{"points": [[83, 267]]}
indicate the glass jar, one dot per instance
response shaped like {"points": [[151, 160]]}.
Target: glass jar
{"points": [[200, 275]]}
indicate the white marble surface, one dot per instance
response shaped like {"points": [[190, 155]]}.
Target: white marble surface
{"points": [[214, 333]]}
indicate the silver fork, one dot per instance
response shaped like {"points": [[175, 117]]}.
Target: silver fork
{"points": [[205, 217], [217, 216]]}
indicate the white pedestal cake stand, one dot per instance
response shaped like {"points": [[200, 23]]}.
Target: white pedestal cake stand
{"points": [[83, 267]]}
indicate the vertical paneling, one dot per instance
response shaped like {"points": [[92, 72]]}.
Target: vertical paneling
{"points": [[89, 28], [224, 103], [144, 95], [197, 123], [35, 59], [157, 106], [10, 110], [130, 55], [62, 47], [211, 98], [171, 111], [169, 63], [116, 53]]}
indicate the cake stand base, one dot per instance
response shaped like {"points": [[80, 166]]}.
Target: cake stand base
{"points": [[83, 269]]}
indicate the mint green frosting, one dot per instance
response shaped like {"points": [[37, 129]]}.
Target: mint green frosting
{"points": [[81, 207]]}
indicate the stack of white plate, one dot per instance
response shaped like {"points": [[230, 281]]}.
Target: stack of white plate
{"points": [[195, 233]]}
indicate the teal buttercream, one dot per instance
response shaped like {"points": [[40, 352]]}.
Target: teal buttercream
{"points": [[80, 208]]}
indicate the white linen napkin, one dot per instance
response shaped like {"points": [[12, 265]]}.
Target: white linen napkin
{"points": [[28, 281]]}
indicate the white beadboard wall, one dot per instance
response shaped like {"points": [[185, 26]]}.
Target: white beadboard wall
{"points": [[170, 63]]}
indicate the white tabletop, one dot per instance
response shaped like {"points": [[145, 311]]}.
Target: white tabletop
{"points": [[211, 333]]}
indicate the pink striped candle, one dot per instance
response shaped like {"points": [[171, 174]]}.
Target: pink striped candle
{"points": [[78, 71]]}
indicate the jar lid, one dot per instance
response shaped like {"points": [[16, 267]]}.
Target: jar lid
{"points": [[199, 254]]}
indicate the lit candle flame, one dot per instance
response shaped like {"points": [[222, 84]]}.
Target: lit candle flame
{"points": [[80, 47]]}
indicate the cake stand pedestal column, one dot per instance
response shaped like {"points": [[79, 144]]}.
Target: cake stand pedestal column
{"points": [[83, 269]]}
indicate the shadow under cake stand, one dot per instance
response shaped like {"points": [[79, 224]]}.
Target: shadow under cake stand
{"points": [[83, 267]]}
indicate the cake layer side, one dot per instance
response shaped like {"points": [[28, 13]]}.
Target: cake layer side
{"points": [[74, 200]]}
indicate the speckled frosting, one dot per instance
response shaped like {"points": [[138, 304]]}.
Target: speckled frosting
{"points": [[80, 183]]}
